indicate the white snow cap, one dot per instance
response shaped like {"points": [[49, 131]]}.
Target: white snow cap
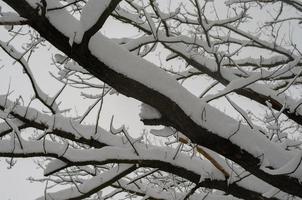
{"points": [[148, 112]]}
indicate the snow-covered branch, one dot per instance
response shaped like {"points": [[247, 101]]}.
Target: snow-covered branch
{"points": [[219, 152]]}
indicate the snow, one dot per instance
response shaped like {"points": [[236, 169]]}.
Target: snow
{"points": [[148, 112], [60, 18], [106, 155], [54, 166], [205, 64], [164, 132], [262, 89], [291, 168], [34, 3], [243, 178], [154, 192], [10, 17], [132, 17], [250, 61], [202, 60], [59, 58], [138, 69], [241, 112], [12, 52], [75, 31], [271, 193], [89, 185], [60, 123], [5, 127], [117, 149], [232, 86], [150, 22], [155, 153], [91, 12]]}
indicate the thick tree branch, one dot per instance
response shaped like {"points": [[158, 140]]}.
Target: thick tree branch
{"points": [[163, 103], [100, 157], [246, 92]]}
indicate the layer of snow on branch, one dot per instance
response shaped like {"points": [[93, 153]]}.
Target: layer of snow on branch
{"points": [[148, 112], [61, 19], [151, 76], [54, 166], [90, 14], [164, 132], [292, 168], [60, 123], [10, 17], [88, 185]]}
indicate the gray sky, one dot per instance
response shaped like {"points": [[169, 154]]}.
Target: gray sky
{"points": [[13, 184]]}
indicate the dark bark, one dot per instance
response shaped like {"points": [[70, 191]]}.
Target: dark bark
{"points": [[174, 115], [229, 188]]}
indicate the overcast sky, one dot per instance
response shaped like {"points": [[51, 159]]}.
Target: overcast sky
{"points": [[13, 184]]}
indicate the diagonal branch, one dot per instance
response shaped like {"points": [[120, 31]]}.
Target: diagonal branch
{"points": [[168, 102], [100, 157]]}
